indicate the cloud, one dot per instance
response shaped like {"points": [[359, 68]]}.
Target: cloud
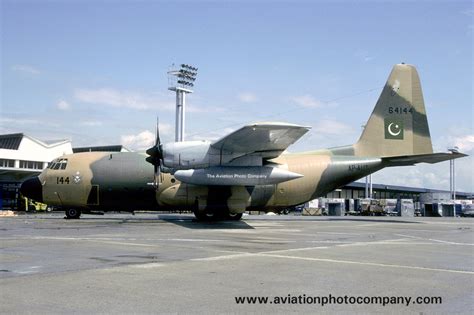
{"points": [[211, 135], [363, 55], [63, 105], [332, 127], [468, 12], [19, 121], [144, 139], [91, 123], [123, 99], [136, 100], [464, 143], [421, 175], [141, 141], [307, 101], [202, 109], [25, 69], [247, 97]]}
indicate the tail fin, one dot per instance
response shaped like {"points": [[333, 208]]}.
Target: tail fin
{"points": [[398, 124]]}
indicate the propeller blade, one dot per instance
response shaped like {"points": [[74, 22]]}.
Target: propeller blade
{"points": [[155, 153]]}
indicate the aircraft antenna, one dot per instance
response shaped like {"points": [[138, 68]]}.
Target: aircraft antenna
{"points": [[181, 80]]}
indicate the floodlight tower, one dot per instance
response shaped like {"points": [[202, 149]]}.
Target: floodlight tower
{"points": [[181, 81]]}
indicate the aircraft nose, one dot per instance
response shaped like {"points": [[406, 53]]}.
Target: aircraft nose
{"points": [[32, 188]]}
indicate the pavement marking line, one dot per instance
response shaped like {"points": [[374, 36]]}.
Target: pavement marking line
{"points": [[24, 272], [294, 249], [379, 223], [347, 244], [298, 249], [103, 241], [367, 263], [435, 240], [146, 265], [243, 254], [188, 240], [265, 254], [224, 257], [449, 223], [112, 239], [123, 243], [342, 233], [381, 242]]}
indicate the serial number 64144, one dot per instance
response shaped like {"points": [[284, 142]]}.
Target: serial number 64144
{"points": [[400, 110]]}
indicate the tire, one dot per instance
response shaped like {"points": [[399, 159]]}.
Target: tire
{"points": [[234, 216], [73, 214], [204, 215]]}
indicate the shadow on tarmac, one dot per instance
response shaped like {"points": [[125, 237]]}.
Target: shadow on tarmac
{"points": [[209, 225]]}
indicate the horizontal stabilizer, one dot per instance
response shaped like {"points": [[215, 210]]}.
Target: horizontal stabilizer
{"points": [[421, 158]]}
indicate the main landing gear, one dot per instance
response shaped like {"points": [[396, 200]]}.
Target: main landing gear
{"points": [[216, 215]]}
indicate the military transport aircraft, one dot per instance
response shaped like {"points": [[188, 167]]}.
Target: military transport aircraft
{"points": [[247, 169]]}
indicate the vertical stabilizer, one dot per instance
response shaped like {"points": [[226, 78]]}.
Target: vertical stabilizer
{"points": [[398, 125]]}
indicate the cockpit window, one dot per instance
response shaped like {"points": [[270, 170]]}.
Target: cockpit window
{"points": [[52, 164], [58, 164]]}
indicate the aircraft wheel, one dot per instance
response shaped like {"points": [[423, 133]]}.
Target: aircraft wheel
{"points": [[204, 215], [73, 214], [234, 216]]}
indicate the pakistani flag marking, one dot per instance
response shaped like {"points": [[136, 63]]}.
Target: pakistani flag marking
{"points": [[393, 129]]}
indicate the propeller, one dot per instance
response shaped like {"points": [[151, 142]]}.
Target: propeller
{"points": [[156, 153]]}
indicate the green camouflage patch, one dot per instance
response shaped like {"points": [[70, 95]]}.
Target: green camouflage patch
{"points": [[393, 129]]}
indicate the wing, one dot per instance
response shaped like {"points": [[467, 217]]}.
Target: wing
{"points": [[267, 140]]}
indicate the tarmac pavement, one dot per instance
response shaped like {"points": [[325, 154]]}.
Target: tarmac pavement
{"points": [[149, 263]]}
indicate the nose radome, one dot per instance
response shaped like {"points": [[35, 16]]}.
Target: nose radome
{"points": [[31, 188]]}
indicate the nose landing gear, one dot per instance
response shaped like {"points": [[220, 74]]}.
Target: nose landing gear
{"points": [[72, 214]]}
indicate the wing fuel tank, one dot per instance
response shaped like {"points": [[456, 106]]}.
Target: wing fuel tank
{"points": [[236, 176]]}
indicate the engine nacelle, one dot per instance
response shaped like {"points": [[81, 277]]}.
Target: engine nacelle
{"points": [[189, 154]]}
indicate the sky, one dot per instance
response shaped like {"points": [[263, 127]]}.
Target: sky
{"points": [[95, 71]]}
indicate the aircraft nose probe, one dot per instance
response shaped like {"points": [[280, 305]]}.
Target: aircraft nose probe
{"points": [[32, 188]]}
